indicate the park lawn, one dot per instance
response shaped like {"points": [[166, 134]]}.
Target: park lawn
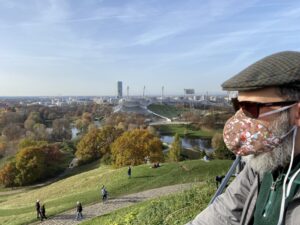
{"points": [[85, 187], [166, 110], [185, 130], [174, 209]]}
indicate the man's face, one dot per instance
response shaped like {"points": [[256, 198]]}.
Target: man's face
{"points": [[279, 123]]}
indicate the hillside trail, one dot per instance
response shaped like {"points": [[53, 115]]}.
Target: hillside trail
{"points": [[98, 209]]}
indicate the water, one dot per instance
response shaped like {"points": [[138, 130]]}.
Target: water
{"points": [[195, 143]]}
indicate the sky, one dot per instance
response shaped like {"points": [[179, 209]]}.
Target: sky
{"points": [[76, 47]]}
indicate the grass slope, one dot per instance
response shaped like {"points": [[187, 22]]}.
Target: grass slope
{"points": [[166, 110], [185, 130], [85, 187], [170, 210]]}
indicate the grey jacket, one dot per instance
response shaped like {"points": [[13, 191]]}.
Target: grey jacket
{"points": [[237, 204]]}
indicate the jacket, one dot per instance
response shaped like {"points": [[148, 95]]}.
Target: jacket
{"points": [[236, 205]]}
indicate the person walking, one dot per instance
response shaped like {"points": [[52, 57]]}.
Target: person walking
{"points": [[79, 211], [104, 193], [38, 207], [129, 172], [43, 212]]}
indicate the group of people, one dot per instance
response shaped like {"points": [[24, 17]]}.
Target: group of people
{"points": [[40, 210]]}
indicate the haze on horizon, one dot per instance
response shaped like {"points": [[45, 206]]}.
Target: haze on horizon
{"points": [[66, 47]]}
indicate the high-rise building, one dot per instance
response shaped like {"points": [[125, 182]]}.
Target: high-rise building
{"points": [[120, 89]]}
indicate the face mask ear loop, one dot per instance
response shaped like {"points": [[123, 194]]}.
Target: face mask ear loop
{"points": [[282, 207], [295, 175]]}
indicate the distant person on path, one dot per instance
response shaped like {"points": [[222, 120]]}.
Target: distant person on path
{"points": [[43, 212], [79, 211], [38, 207], [129, 172], [104, 193]]}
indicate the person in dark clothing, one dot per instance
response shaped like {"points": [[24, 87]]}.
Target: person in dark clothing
{"points": [[79, 211], [43, 212], [129, 172], [104, 193], [38, 207]]}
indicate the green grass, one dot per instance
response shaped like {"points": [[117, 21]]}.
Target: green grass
{"points": [[170, 210], [166, 110], [85, 187], [185, 130]]}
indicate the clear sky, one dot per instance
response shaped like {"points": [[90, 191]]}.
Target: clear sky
{"points": [[83, 47]]}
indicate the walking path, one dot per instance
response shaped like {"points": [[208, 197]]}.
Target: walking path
{"points": [[98, 209]]}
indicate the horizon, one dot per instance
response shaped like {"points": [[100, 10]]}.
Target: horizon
{"points": [[82, 48]]}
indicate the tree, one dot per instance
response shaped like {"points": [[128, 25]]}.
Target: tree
{"points": [[32, 119], [27, 142], [3, 146], [12, 131], [132, 147], [221, 151], [30, 164], [8, 174], [96, 143], [61, 130], [175, 149]]}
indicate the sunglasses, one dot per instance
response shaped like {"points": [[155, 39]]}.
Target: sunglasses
{"points": [[251, 109]]}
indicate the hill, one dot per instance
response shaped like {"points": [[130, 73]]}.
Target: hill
{"points": [[85, 187], [166, 110]]}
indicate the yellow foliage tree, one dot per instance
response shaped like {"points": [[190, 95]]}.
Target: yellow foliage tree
{"points": [[132, 147]]}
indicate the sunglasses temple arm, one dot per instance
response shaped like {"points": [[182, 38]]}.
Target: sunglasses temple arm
{"points": [[276, 111]]}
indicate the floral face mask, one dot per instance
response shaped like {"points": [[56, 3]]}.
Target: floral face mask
{"points": [[244, 135]]}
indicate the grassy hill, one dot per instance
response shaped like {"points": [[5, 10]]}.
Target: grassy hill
{"points": [[169, 210], [85, 187], [166, 110]]}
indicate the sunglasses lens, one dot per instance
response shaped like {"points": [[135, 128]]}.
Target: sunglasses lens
{"points": [[250, 109]]}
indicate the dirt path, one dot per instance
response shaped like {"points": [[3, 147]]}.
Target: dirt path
{"points": [[91, 211]]}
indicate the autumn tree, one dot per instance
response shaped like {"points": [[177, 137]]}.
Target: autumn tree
{"points": [[61, 130], [132, 147], [12, 131], [8, 174], [175, 149], [221, 151], [32, 119], [96, 143], [30, 164], [38, 162]]}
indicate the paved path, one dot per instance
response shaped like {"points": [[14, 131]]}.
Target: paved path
{"points": [[91, 211]]}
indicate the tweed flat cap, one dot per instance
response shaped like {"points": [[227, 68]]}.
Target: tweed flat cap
{"points": [[279, 69]]}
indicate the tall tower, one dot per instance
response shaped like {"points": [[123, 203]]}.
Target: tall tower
{"points": [[144, 89], [120, 89], [162, 93]]}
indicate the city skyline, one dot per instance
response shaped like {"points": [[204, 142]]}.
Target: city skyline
{"points": [[82, 48]]}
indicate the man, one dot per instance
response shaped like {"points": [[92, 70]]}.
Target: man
{"points": [[79, 211], [129, 172], [43, 212], [38, 207], [104, 193], [264, 132]]}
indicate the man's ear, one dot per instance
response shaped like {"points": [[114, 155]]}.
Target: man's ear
{"points": [[297, 115]]}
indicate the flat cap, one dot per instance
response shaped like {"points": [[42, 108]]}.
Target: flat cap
{"points": [[279, 69]]}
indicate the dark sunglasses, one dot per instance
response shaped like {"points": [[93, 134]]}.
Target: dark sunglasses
{"points": [[251, 109]]}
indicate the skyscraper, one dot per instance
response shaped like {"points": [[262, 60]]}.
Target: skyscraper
{"points": [[120, 89]]}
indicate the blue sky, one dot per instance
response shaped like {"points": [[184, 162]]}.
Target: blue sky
{"points": [[76, 47]]}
